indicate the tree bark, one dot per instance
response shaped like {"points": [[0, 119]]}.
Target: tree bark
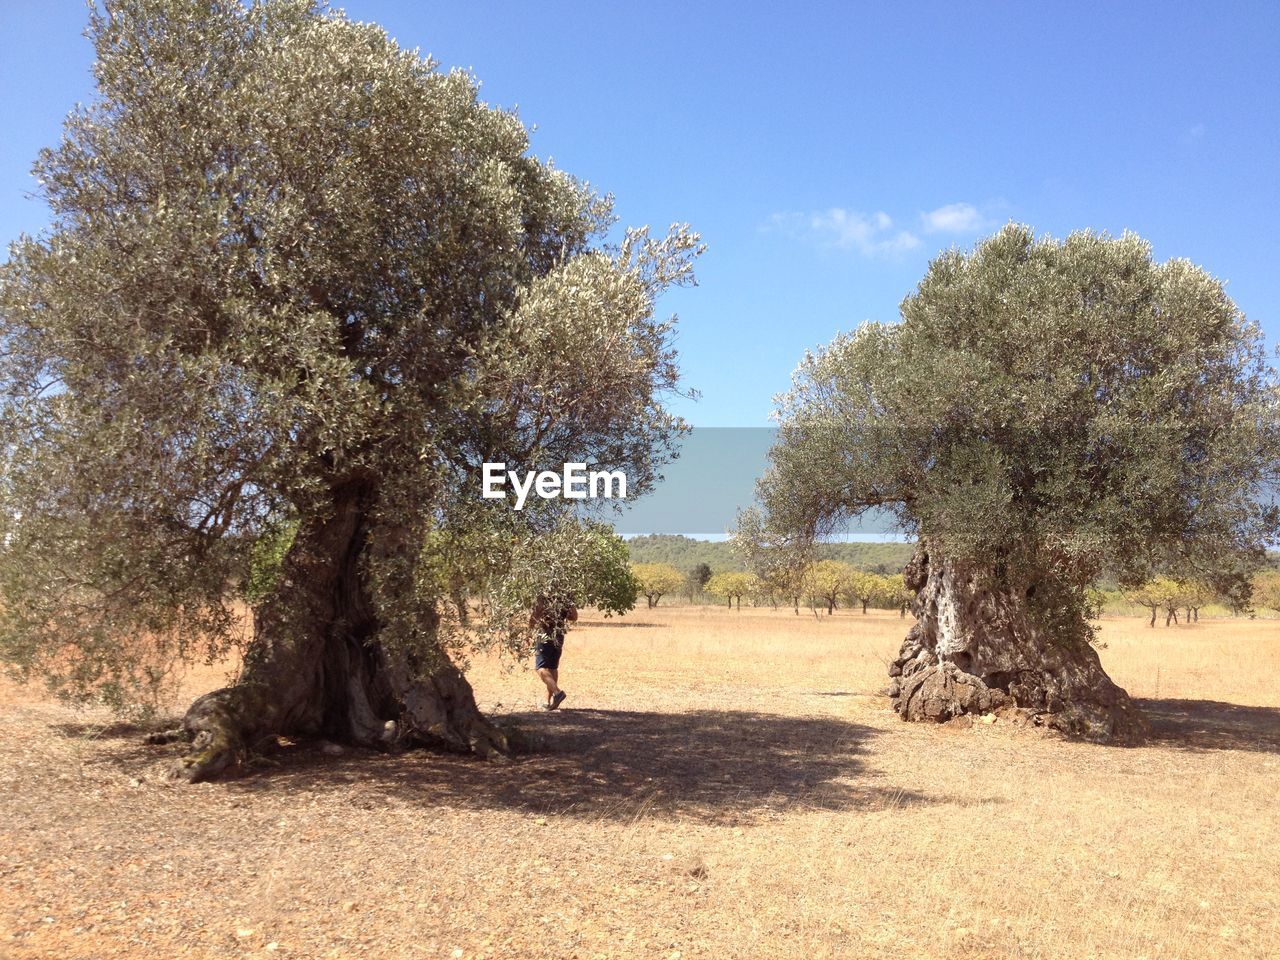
{"points": [[315, 666], [975, 649]]}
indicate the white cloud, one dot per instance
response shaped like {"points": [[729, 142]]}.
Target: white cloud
{"points": [[1194, 134], [872, 234], [953, 218], [869, 234]]}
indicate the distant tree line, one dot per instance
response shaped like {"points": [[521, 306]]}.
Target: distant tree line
{"points": [[832, 584], [687, 553], [821, 585], [1172, 596]]}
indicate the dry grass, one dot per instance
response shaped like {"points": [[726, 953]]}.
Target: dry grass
{"points": [[719, 785]]}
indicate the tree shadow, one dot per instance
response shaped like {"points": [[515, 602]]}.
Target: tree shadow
{"points": [[1213, 725], [113, 729], [830, 693], [615, 625], [708, 765]]}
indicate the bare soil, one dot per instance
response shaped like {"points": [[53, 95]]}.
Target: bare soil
{"points": [[719, 784]]}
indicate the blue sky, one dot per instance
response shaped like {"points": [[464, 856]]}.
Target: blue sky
{"points": [[827, 151]]}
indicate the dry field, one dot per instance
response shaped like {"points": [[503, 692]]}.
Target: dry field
{"points": [[720, 784]]}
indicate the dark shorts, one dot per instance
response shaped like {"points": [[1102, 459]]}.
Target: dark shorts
{"points": [[547, 654]]}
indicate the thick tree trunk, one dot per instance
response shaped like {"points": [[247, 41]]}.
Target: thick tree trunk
{"points": [[974, 649], [315, 666]]}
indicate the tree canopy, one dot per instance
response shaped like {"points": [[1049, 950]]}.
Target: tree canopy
{"points": [[733, 585], [294, 268], [1266, 591], [656, 580], [1051, 409]]}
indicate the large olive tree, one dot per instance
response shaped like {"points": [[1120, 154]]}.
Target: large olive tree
{"points": [[1046, 411], [298, 277]]}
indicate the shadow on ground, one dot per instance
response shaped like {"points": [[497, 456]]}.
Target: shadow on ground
{"points": [[616, 624], [720, 766], [112, 730], [1213, 725]]}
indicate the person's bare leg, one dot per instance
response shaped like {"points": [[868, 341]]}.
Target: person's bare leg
{"points": [[549, 678], [559, 695]]}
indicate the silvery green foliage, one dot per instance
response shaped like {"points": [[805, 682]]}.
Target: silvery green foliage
{"points": [[1049, 409], [287, 254], [582, 562]]}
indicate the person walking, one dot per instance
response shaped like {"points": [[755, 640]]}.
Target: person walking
{"points": [[550, 617]]}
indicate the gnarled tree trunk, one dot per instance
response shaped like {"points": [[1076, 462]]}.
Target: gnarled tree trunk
{"points": [[975, 649], [315, 666]]}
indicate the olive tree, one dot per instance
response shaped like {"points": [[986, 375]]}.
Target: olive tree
{"points": [[1266, 591], [1166, 593], [781, 569], [1198, 593], [656, 580], [732, 585], [502, 565], [864, 588], [896, 595], [1152, 594], [1045, 411], [829, 581], [297, 275], [696, 579]]}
